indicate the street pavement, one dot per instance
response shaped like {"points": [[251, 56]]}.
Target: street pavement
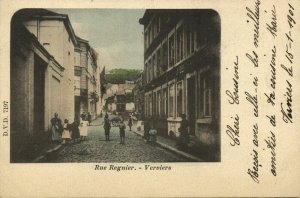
{"points": [[95, 149]]}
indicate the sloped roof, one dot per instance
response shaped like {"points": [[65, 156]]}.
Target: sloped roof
{"points": [[30, 13]]}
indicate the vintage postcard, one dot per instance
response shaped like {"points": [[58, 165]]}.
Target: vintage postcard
{"points": [[150, 98]]}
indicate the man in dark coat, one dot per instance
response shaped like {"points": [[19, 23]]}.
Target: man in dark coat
{"points": [[106, 127], [130, 122]]}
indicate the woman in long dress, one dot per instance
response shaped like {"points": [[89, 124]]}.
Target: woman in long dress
{"points": [[56, 129], [83, 128]]}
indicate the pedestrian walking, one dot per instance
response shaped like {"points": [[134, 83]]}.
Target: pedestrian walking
{"points": [[83, 129], [184, 136], [106, 127], [122, 127], [56, 129], [130, 122], [66, 133], [75, 134]]}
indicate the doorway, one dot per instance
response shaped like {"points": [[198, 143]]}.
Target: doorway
{"points": [[39, 95], [191, 104]]}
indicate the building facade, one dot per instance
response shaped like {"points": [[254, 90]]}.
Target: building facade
{"points": [[119, 97], [182, 72], [54, 31], [42, 46], [87, 82], [138, 94], [44, 53]]}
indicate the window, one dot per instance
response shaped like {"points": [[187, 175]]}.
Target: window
{"points": [[154, 66], [146, 39], [204, 95], [77, 72], [164, 102], [154, 28], [179, 39], [179, 98], [171, 100], [158, 103], [147, 73], [207, 96], [150, 34], [190, 39], [158, 55], [158, 24], [150, 104], [171, 51], [154, 104], [150, 69], [201, 39], [146, 105], [164, 56]]}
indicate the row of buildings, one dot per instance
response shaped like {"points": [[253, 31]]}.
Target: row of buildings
{"points": [[119, 98], [53, 70], [181, 72]]}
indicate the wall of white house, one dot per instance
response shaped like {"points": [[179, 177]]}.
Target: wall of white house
{"points": [[53, 35], [129, 106]]}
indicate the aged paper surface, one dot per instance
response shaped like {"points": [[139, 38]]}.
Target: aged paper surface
{"points": [[259, 100]]}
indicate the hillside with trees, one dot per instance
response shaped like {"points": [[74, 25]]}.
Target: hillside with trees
{"points": [[119, 76]]}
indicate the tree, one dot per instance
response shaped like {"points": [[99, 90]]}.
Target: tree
{"points": [[119, 76]]}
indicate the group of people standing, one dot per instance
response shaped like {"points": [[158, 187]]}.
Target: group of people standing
{"points": [[122, 127], [78, 131], [66, 132]]}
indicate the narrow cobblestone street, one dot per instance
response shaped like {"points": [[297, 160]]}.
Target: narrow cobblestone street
{"points": [[96, 149]]}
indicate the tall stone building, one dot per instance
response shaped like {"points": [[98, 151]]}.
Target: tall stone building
{"points": [[87, 82], [44, 53], [182, 72], [138, 93], [54, 31]]}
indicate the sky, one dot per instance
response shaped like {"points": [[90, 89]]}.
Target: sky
{"points": [[115, 34]]}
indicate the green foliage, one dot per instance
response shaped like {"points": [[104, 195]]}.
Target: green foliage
{"points": [[108, 101], [119, 76]]}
